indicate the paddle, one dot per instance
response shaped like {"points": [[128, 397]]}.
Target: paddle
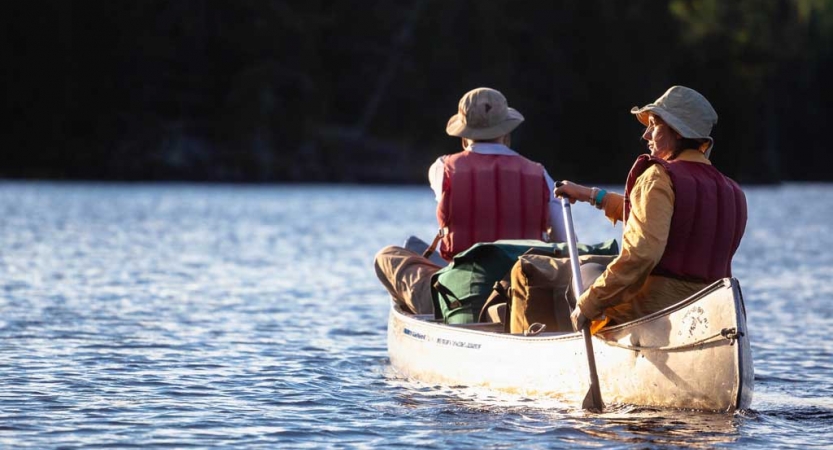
{"points": [[593, 399]]}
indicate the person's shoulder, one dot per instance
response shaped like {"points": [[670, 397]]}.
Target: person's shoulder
{"points": [[443, 158], [438, 164], [655, 170], [527, 159], [536, 164], [654, 173]]}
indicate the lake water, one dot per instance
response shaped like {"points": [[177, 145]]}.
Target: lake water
{"points": [[192, 316]]}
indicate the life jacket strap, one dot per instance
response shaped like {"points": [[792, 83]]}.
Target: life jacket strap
{"points": [[441, 233]]}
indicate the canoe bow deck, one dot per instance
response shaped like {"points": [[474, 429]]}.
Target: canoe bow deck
{"points": [[692, 355]]}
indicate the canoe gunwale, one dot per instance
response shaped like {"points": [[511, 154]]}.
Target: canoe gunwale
{"points": [[423, 319], [402, 316]]}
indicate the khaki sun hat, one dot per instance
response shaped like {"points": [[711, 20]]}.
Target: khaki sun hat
{"points": [[683, 109], [483, 114]]}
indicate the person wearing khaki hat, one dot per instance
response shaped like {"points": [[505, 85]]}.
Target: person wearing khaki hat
{"points": [[484, 193], [683, 218]]}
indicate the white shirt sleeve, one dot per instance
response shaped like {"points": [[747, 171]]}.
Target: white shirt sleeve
{"points": [[556, 215], [435, 177]]}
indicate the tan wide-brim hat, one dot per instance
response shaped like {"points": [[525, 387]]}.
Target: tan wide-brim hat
{"points": [[683, 109], [483, 114]]}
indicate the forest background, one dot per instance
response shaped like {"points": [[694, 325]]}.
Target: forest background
{"points": [[360, 91]]}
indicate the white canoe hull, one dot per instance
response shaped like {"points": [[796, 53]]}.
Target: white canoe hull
{"points": [[693, 355]]}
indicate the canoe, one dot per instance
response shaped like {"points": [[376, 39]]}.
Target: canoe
{"points": [[692, 355]]}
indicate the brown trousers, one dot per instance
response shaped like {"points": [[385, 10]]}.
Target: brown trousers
{"points": [[407, 277]]}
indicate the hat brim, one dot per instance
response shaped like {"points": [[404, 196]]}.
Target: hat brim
{"points": [[456, 127], [642, 114]]}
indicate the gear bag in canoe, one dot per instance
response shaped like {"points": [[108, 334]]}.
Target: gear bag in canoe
{"points": [[460, 289]]}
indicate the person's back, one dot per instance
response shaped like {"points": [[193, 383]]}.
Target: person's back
{"points": [[708, 221], [491, 197], [485, 193]]}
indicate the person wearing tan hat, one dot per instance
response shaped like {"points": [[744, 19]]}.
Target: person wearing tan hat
{"points": [[683, 218], [485, 193]]}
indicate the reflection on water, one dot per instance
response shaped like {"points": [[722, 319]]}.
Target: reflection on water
{"points": [[249, 316], [479, 410], [669, 428]]}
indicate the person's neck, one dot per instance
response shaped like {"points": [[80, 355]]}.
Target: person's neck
{"points": [[482, 144]]}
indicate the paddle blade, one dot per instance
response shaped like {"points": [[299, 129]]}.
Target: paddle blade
{"points": [[593, 400]]}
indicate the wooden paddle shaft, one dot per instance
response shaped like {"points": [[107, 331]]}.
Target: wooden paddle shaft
{"points": [[578, 288], [593, 399]]}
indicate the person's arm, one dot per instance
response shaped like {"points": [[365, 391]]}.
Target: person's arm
{"points": [[611, 203], [643, 244], [436, 173]]}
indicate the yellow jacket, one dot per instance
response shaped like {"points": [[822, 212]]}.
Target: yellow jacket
{"points": [[627, 290]]}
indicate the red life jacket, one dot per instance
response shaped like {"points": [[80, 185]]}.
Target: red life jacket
{"points": [[490, 197], [708, 221]]}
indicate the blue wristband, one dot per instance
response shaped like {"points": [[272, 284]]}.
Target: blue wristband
{"points": [[599, 197]]}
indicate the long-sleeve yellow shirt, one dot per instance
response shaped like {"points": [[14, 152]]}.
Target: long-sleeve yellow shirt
{"points": [[627, 290]]}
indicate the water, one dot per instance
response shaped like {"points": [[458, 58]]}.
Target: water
{"points": [[196, 316]]}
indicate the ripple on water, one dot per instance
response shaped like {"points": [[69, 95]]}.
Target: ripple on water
{"points": [[249, 316]]}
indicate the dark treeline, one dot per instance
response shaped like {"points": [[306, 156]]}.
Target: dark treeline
{"points": [[360, 91]]}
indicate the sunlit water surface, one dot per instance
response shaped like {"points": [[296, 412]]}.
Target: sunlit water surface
{"points": [[245, 316]]}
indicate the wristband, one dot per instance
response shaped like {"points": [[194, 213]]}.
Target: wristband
{"points": [[599, 197]]}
